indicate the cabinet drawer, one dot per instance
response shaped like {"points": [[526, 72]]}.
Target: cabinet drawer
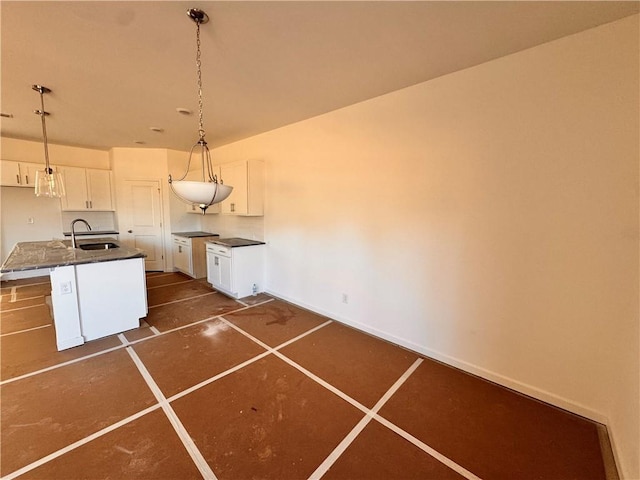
{"points": [[219, 249], [182, 241]]}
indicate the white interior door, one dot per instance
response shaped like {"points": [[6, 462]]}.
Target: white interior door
{"points": [[142, 214]]}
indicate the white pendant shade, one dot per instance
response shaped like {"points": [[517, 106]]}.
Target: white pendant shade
{"points": [[49, 184], [201, 193], [210, 190]]}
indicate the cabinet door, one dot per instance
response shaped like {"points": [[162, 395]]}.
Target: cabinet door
{"points": [[219, 272], [10, 174], [213, 269], [235, 175], [226, 276], [99, 182], [182, 258], [28, 173], [75, 184]]}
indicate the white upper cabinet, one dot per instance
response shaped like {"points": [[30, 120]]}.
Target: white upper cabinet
{"points": [[87, 189], [19, 174], [247, 179]]}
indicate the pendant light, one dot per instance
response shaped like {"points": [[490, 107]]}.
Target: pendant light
{"points": [[208, 191], [48, 182]]}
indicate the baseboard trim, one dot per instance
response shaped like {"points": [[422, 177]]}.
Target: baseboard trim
{"points": [[518, 386]]}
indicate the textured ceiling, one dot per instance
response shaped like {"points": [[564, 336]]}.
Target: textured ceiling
{"points": [[118, 68]]}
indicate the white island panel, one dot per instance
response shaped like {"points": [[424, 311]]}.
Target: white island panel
{"points": [[64, 297], [112, 297]]}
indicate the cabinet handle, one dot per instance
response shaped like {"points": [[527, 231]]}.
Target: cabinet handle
{"points": [[233, 207], [216, 261], [27, 177], [179, 248], [18, 178], [129, 231], [90, 203], [86, 204]]}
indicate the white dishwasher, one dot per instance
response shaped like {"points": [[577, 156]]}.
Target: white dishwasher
{"points": [[235, 266]]}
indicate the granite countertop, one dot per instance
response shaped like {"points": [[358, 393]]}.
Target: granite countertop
{"points": [[194, 234], [58, 253], [92, 232], [236, 242]]}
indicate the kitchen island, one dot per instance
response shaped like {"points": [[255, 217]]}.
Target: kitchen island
{"points": [[96, 292]]}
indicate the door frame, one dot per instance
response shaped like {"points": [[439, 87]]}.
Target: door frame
{"points": [[163, 221]]}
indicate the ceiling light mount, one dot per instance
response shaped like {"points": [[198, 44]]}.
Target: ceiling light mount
{"points": [[198, 16], [208, 191]]}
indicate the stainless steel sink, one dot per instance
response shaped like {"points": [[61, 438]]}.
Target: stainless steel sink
{"points": [[98, 246]]}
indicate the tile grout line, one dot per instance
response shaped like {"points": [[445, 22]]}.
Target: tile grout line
{"points": [[117, 347], [169, 284], [79, 443], [162, 401], [197, 322], [59, 365], [21, 308], [25, 330], [423, 446], [241, 365], [160, 274], [351, 436], [174, 420], [14, 297], [26, 284], [187, 441], [229, 371], [427, 449], [314, 377], [182, 299]]}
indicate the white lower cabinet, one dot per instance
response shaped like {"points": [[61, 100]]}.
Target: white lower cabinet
{"points": [[189, 255], [236, 271], [182, 259]]}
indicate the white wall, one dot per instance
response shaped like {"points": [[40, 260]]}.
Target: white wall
{"points": [[17, 206], [233, 226], [488, 218]]}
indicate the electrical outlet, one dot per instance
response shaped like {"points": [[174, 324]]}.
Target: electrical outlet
{"points": [[65, 288], [30, 220], [345, 298]]}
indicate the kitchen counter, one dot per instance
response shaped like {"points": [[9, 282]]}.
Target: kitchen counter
{"points": [[94, 293], [236, 242], [194, 234], [58, 253]]}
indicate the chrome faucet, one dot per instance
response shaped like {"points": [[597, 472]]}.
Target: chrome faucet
{"points": [[73, 230]]}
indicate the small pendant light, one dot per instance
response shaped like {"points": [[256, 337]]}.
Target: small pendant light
{"points": [[208, 191], [48, 182]]}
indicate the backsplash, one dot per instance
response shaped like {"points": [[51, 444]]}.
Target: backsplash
{"points": [[234, 226], [97, 220]]}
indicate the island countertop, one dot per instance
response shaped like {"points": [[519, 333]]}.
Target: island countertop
{"points": [[58, 253]]}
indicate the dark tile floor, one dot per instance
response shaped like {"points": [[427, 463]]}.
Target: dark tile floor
{"points": [[254, 389]]}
